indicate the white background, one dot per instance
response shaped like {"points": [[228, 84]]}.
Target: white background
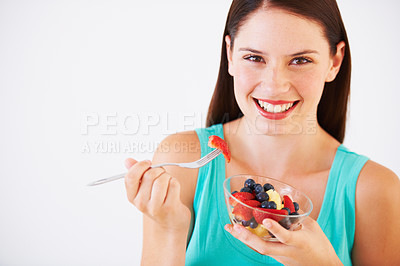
{"points": [[64, 64]]}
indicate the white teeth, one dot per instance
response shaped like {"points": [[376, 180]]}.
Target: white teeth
{"points": [[264, 105], [270, 108]]}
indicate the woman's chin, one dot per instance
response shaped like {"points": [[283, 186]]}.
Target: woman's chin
{"points": [[282, 127]]}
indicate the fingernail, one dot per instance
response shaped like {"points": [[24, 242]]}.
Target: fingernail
{"points": [[267, 224], [228, 228], [148, 161]]}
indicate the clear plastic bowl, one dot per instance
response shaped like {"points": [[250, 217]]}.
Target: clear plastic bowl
{"points": [[290, 222]]}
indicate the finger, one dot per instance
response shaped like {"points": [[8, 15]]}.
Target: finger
{"points": [[129, 162], [146, 185], [158, 192], [282, 235], [308, 222], [255, 242], [133, 178], [173, 192]]}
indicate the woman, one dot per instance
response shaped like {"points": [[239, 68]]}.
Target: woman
{"points": [[280, 103]]}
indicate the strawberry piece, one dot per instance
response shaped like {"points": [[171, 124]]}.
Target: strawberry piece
{"points": [[288, 203], [241, 196], [242, 213], [260, 214], [252, 203], [218, 143]]}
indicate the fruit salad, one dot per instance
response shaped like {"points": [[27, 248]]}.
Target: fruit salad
{"points": [[218, 143], [256, 202]]}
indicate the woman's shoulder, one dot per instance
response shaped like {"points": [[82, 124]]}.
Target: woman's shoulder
{"points": [[181, 145], [377, 215], [377, 187], [377, 178]]}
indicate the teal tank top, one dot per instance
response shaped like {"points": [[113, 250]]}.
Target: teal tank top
{"points": [[211, 245]]}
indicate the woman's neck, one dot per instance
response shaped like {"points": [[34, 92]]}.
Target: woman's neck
{"points": [[280, 155]]}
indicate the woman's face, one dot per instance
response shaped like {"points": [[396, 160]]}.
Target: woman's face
{"points": [[280, 63]]}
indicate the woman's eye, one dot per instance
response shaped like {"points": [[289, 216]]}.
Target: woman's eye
{"points": [[300, 61], [254, 58]]}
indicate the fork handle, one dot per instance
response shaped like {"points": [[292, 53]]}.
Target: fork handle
{"points": [[116, 177], [108, 179], [163, 164]]}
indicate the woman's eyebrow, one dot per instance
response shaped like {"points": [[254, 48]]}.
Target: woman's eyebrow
{"points": [[246, 49], [305, 52]]}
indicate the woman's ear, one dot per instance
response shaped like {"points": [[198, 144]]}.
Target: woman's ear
{"points": [[337, 60], [229, 54]]}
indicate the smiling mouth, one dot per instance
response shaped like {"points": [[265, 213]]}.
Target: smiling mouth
{"points": [[277, 107]]}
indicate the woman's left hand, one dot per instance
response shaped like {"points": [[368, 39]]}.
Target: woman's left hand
{"points": [[307, 246]]}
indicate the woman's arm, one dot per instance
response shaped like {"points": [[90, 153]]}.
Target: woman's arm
{"points": [[377, 236], [166, 225]]}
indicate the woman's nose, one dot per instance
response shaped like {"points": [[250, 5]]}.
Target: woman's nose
{"points": [[275, 80]]}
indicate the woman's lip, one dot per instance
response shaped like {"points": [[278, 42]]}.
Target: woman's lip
{"points": [[274, 102], [275, 116]]}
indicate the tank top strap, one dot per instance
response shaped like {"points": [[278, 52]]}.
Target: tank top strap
{"points": [[206, 181], [337, 215]]}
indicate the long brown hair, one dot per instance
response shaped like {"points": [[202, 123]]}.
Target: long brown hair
{"points": [[332, 108]]}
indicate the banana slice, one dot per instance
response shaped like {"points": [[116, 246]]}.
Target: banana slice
{"points": [[259, 230], [275, 197]]}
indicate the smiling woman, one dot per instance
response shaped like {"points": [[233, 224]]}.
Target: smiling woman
{"points": [[280, 103], [332, 34], [85, 84], [294, 54]]}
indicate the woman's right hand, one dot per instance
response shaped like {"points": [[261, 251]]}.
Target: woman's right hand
{"points": [[156, 194]]}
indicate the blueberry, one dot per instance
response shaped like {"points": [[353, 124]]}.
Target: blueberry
{"points": [[268, 186], [288, 210], [234, 192], [246, 189], [253, 224], [285, 222], [249, 183], [262, 196], [246, 223], [271, 205], [264, 204], [294, 219], [258, 188], [296, 206]]}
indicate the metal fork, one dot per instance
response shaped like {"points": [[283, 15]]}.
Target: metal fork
{"points": [[196, 164]]}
